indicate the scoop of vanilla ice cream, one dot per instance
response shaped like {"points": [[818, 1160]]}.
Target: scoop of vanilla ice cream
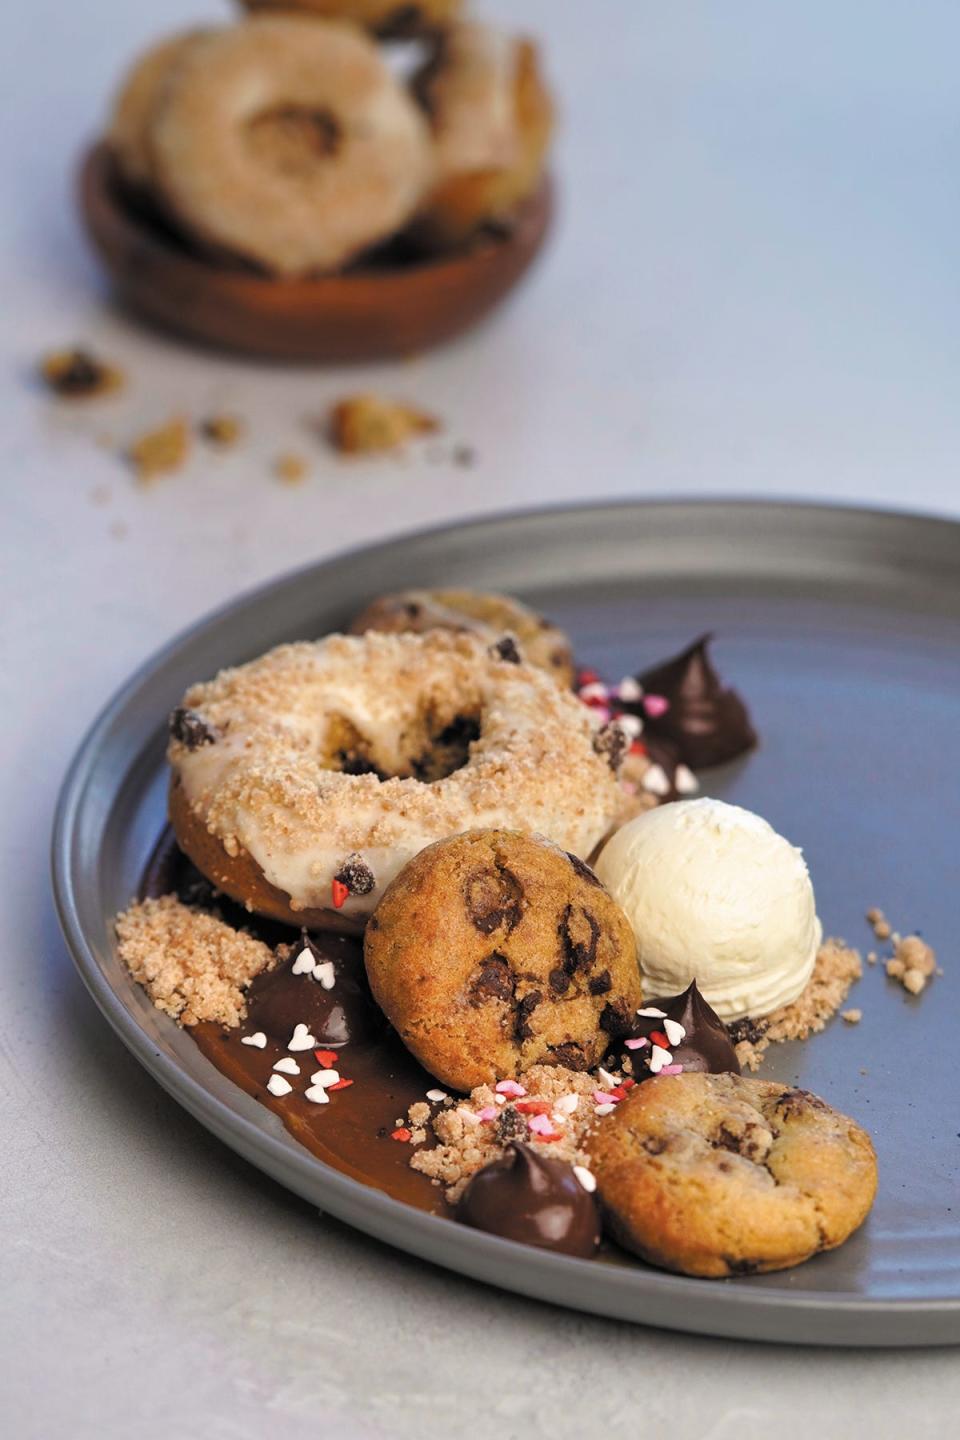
{"points": [[715, 894]]}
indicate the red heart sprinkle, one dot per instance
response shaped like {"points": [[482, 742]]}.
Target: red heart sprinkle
{"points": [[401, 1134], [658, 1038], [340, 1085], [627, 1084], [339, 892], [545, 1139], [534, 1107], [327, 1058]]}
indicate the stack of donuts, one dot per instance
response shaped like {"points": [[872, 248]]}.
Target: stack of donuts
{"points": [[303, 138]]}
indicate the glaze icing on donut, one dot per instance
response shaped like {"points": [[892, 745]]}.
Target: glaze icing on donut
{"points": [[287, 141], [304, 781]]}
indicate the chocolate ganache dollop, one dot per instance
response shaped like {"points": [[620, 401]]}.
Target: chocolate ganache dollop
{"points": [[706, 720], [683, 1031], [535, 1199], [331, 998]]}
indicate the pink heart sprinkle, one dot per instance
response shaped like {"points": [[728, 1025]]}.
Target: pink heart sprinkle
{"points": [[656, 705], [603, 1097], [489, 1112], [510, 1087], [637, 1042], [540, 1124], [671, 1069]]}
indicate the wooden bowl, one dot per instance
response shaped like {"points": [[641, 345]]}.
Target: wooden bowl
{"points": [[370, 313]]}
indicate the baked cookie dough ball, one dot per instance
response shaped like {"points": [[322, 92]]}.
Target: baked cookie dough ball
{"points": [[386, 18], [720, 1175], [287, 141], [490, 616], [133, 108], [494, 951], [492, 118]]}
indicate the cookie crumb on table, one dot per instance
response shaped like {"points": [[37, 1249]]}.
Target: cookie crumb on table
{"points": [[221, 430], [160, 451], [367, 423], [77, 374], [193, 966], [879, 923], [837, 966], [290, 468], [851, 1017], [914, 963]]}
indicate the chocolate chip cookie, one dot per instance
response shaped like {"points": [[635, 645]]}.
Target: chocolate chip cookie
{"points": [[719, 1175], [493, 951]]}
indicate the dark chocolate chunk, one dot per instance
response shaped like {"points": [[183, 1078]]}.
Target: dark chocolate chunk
{"points": [[507, 649], [612, 743], [579, 934], [705, 1047], [570, 1055], [525, 1009], [615, 1018], [493, 898], [534, 1198], [601, 983], [583, 870], [511, 1125], [495, 980], [705, 719], [191, 729], [356, 875], [559, 981], [746, 1029]]}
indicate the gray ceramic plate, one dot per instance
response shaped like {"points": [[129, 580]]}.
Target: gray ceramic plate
{"points": [[842, 627]]}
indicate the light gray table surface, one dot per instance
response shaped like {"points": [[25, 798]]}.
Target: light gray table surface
{"points": [[752, 289]]}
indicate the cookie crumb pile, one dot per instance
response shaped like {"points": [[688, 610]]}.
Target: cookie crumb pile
{"points": [[193, 966], [837, 966]]}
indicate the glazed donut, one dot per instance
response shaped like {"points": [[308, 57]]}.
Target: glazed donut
{"points": [[491, 117], [133, 107], [304, 781], [487, 615], [386, 18], [288, 142]]}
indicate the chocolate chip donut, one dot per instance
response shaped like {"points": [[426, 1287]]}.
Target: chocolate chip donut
{"points": [[303, 782], [494, 951], [491, 117], [479, 612], [719, 1175], [288, 142]]}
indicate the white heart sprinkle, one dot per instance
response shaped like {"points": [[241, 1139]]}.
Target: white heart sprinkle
{"points": [[656, 780], [652, 1013], [606, 1078], [684, 781], [631, 725], [586, 1177], [630, 689], [316, 1095], [567, 1104], [325, 1077], [673, 1030], [658, 1058], [604, 1109], [437, 1095], [278, 1086], [469, 1116], [499, 1099], [258, 1040], [304, 963], [287, 1066], [301, 1039], [323, 972]]}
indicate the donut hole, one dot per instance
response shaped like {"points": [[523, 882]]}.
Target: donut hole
{"points": [[428, 750], [294, 140]]}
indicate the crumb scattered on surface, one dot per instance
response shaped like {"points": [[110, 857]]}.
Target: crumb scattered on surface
{"points": [[879, 923], [464, 1145], [913, 964], [837, 966], [79, 375], [871, 957], [221, 430], [192, 965], [367, 423], [160, 451], [851, 1017], [290, 468]]}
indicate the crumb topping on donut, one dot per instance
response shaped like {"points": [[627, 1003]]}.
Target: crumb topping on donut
{"points": [[374, 746]]}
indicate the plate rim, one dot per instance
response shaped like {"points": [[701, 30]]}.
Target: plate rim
{"points": [[541, 1274]]}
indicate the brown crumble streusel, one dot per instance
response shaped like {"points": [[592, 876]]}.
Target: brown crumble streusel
{"points": [[837, 966]]}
